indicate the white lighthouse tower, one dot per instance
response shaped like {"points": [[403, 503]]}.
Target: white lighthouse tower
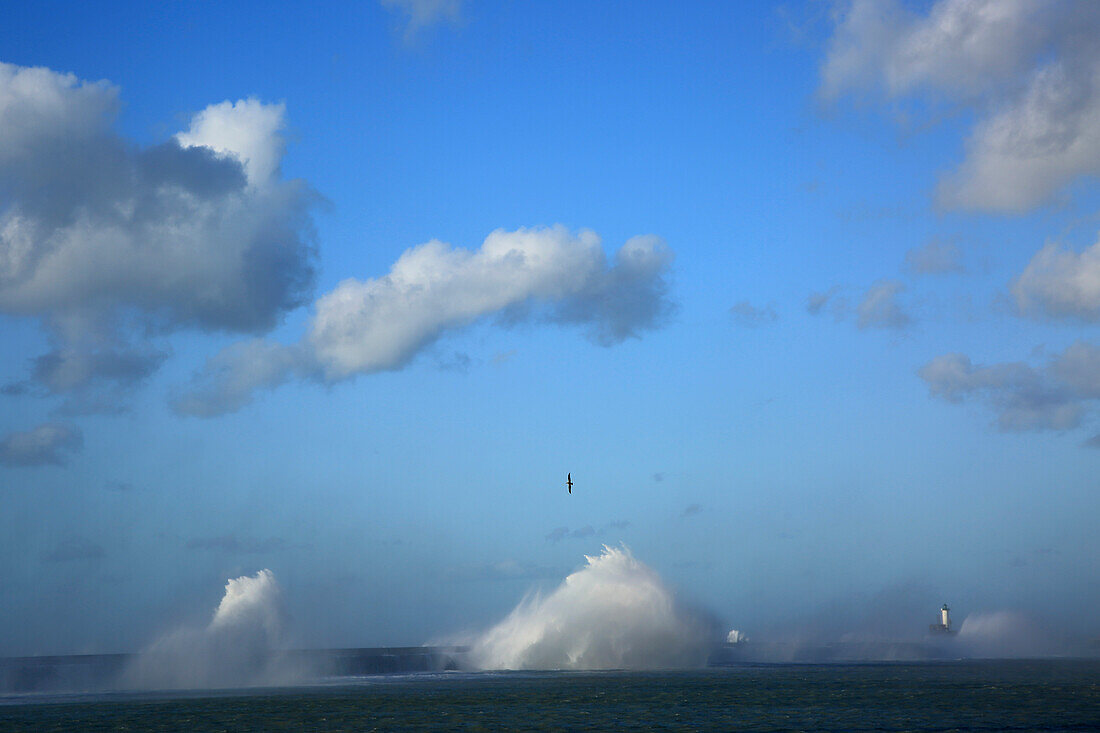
{"points": [[944, 626]]}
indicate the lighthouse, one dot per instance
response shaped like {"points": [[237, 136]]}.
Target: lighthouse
{"points": [[944, 626]]}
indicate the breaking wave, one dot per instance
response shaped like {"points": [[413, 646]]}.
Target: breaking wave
{"points": [[238, 648], [614, 613], [1007, 634]]}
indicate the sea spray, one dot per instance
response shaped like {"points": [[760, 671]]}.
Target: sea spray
{"points": [[614, 613], [1007, 634], [238, 647]]}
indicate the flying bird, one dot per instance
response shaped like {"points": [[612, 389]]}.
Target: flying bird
{"points": [[569, 482]]}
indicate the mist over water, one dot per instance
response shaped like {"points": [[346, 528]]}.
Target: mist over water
{"points": [[614, 613], [239, 647], [1006, 634]]}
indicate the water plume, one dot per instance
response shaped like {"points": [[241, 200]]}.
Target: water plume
{"points": [[614, 613], [239, 647], [997, 634]]}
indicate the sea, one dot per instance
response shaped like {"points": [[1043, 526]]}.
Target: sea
{"points": [[942, 695]]}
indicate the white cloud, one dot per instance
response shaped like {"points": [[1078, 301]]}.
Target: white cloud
{"points": [[1034, 146], [1055, 397], [246, 130], [39, 107], [367, 326], [46, 444], [105, 241], [373, 325], [880, 308], [1060, 282], [961, 47], [1030, 69]]}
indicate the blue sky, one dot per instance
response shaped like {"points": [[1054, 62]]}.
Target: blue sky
{"points": [[804, 296]]}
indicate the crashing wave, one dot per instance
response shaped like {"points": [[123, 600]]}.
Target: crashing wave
{"points": [[238, 648], [614, 613]]}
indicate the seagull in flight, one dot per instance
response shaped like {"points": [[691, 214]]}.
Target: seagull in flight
{"points": [[569, 482]]}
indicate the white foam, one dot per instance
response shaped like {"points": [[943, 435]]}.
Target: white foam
{"points": [[614, 613], [237, 648]]}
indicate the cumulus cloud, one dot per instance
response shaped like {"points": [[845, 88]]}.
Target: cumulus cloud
{"points": [[1060, 282], [746, 314], [960, 47], [424, 13], [1056, 396], [105, 241], [1029, 150], [880, 308], [246, 131], [367, 326], [935, 257], [1030, 70], [47, 444]]}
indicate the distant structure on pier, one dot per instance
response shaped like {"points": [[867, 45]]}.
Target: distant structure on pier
{"points": [[944, 626]]}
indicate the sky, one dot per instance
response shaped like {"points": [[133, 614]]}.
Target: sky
{"points": [[804, 297]]}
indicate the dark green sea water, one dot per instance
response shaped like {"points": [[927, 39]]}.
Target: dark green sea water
{"points": [[971, 696]]}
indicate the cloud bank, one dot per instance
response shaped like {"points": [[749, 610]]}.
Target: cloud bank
{"points": [[106, 241], [381, 324]]}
